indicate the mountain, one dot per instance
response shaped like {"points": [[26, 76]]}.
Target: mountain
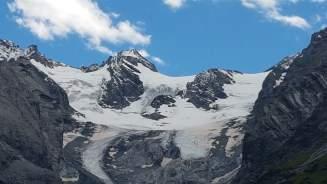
{"points": [[33, 112], [123, 121], [183, 120], [34, 115], [286, 137]]}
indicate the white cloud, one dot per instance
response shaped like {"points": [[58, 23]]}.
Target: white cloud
{"points": [[49, 19], [264, 4], [318, 18], [158, 60], [293, 20], [319, 1], [270, 8], [155, 59], [144, 53], [174, 4]]}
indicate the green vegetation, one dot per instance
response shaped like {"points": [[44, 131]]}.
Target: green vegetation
{"points": [[315, 173], [297, 161]]}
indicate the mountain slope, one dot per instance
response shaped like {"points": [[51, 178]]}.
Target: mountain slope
{"points": [[33, 112], [286, 138]]}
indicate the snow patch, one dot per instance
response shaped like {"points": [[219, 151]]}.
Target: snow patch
{"points": [[280, 80], [286, 63], [165, 161], [146, 166]]}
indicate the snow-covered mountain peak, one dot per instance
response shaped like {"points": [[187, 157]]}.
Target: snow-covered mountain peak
{"points": [[131, 57], [127, 94], [9, 50], [30, 50], [8, 43], [130, 53]]}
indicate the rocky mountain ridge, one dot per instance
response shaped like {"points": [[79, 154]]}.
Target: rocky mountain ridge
{"points": [[286, 138], [128, 123], [133, 100], [34, 110], [164, 106]]}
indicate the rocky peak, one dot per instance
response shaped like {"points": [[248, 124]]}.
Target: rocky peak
{"points": [[207, 87], [30, 50], [320, 36], [122, 60], [131, 57], [130, 53], [9, 50], [318, 44], [287, 127], [91, 68], [125, 85], [279, 72], [33, 112], [8, 43]]}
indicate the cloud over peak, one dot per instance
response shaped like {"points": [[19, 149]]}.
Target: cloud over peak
{"points": [[155, 59], [174, 4], [48, 19]]}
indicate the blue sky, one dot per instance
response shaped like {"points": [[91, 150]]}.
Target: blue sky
{"points": [[181, 36]]}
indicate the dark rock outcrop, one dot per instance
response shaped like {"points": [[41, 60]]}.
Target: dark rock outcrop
{"points": [[286, 137], [163, 100], [91, 68], [125, 85], [32, 52], [156, 103], [154, 116], [207, 87], [33, 110]]}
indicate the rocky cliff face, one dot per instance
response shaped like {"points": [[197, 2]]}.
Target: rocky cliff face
{"points": [[32, 116], [207, 87], [286, 138], [125, 85]]}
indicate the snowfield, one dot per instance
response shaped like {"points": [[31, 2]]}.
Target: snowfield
{"points": [[196, 126], [195, 129]]}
